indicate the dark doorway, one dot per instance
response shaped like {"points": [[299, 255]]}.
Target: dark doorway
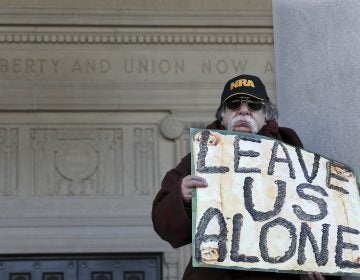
{"points": [[81, 267]]}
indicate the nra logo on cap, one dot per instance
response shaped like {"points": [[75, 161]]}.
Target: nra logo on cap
{"points": [[242, 83]]}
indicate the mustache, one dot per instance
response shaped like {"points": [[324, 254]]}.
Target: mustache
{"points": [[247, 119]]}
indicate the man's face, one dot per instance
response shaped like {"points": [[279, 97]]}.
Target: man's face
{"points": [[242, 116]]}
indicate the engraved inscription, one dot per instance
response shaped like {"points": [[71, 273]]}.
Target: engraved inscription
{"points": [[29, 65], [163, 66], [222, 66], [41, 65], [91, 66], [128, 65]]}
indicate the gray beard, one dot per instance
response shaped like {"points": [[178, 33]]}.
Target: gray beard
{"points": [[249, 120]]}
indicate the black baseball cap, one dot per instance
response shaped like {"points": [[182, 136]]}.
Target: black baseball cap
{"points": [[244, 85]]}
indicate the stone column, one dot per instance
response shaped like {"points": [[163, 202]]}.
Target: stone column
{"points": [[317, 64], [317, 54]]}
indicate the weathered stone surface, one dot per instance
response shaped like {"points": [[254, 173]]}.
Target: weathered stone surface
{"points": [[317, 64]]}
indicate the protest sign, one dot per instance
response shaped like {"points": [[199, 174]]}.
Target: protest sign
{"points": [[270, 206]]}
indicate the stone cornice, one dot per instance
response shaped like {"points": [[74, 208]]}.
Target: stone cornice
{"points": [[119, 17], [128, 36]]}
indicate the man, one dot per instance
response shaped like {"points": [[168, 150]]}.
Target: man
{"points": [[245, 107]]}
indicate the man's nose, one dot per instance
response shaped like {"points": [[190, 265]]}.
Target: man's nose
{"points": [[244, 109]]}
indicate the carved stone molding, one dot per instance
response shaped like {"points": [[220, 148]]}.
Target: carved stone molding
{"points": [[229, 36], [76, 161], [145, 157], [171, 128], [171, 269], [228, 16], [69, 162], [8, 161]]}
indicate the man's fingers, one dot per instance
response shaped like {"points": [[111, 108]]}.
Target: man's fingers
{"points": [[318, 276], [193, 181], [312, 276], [188, 183], [308, 276]]}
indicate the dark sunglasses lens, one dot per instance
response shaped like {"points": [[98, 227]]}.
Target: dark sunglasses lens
{"points": [[254, 105], [234, 104]]}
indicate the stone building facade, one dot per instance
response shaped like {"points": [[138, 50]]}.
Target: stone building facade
{"points": [[96, 99]]}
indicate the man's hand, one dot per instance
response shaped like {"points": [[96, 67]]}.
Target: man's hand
{"points": [[312, 276], [188, 183]]}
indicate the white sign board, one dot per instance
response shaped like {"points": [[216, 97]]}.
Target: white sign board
{"points": [[273, 207]]}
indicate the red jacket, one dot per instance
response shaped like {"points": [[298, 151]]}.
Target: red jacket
{"points": [[172, 218]]}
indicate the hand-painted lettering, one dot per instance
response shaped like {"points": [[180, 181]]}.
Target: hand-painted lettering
{"points": [[220, 238], [235, 242], [341, 245], [322, 255], [239, 153], [336, 171], [249, 204], [275, 158], [315, 167], [263, 242], [321, 252], [201, 166], [300, 213]]}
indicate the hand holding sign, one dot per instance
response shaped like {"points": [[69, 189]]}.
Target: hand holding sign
{"points": [[188, 183]]}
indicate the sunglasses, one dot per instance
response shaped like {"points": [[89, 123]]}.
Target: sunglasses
{"points": [[253, 105]]}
